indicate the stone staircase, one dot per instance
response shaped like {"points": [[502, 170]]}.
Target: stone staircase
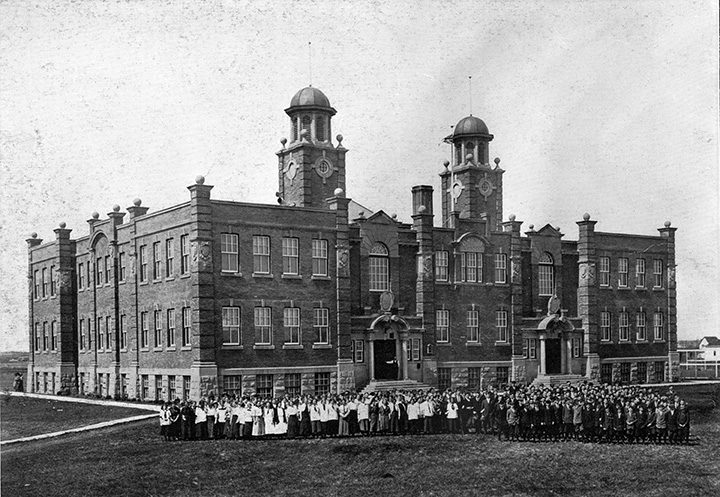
{"points": [[559, 379], [384, 386]]}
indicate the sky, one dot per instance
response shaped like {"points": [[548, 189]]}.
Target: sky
{"points": [[605, 107]]}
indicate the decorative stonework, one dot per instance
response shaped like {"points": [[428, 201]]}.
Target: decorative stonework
{"points": [[587, 273]]}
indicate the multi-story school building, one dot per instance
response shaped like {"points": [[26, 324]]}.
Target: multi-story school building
{"points": [[317, 294]]}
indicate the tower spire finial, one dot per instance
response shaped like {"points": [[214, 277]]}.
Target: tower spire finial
{"points": [[310, 61], [470, 93]]}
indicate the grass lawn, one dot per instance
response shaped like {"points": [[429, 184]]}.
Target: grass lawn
{"points": [[133, 460], [24, 416]]}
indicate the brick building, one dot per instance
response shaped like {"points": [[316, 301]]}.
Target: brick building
{"points": [[318, 294]]}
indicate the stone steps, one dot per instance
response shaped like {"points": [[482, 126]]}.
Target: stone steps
{"points": [[384, 386], [559, 379]]}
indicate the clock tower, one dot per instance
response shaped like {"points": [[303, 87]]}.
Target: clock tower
{"points": [[310, 167], [471, 186]]}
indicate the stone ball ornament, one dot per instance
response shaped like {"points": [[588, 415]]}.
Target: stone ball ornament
{"points": [[137, 202], [199, 179]]}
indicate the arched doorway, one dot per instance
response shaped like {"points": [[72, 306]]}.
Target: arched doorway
{"points": [[387, 348], [386, 360]]}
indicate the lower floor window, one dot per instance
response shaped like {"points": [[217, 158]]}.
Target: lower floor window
{"points": [[172, 388], [232, 385], [358, 350], [474, 381], [292, 384], [186, 388], [642, 372], [322, 383], [606, 373], [625, 372], [659, 371], [502, 374], [444, 379], [264, 385]]}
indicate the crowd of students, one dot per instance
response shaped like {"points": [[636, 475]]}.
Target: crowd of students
{"points": [[586, 412]]}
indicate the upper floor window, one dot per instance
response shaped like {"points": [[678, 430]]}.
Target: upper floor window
{"points": [[107, 265], [37, 337], [604, 271], [157, 261], [81, 276], [44, 283], [442, 323], [45, 336], [306, 122], [98, 271], [441, 265], [500, 268], [605, 326], [108, 332], [577, 347], [171, 327], [640, 326], [473, 326], [81, 334], [231, 325], [291, 322], [624, 327], [144, 330], [36, 280], [184, 254], [261, 254], [658, 326], [53, 335], [640, 273], [379, 268], [186, 327], [658, 273], [291, 256], [623, 272], [52, 281], [358, 350], [169, 257], [263, 325], [546, 275], [158, 329], [320, 128], [143, 263], [229, 252], [121, 266], [320, 257], [321, 323], [501, 323], [123, 332], [471, 266]]}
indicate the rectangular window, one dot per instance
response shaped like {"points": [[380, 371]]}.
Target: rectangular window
{"points": [[659, 371], [144, 330], [444, 379], [184, 254], [546, 277], [658, 327], [229, 252], [232, 385], [231, 325], [121, 264], [604, 271], [473, 326], [81, 383], [530, 348], [441, 265], [624, 327], [358, 350], [37, 337], [157, 315], [186, 388], [264, 385], [322, 383], [640, 328], [642, 372], [261, 254], [81, 276], [658, 273], [291, 322], [474, 378], [293, 384], [88, 272], [108, 333], [98, 272], [81, 334], [157, 261], [171, 327], [159, 388], [471, 267], [502, 325], [606, 373], [290, 256], [322, 325], [172, 388], [100, 333], [53, 335], [320, 257], [143, 263], [44, 283], [36, 280], [123, 332], [379, 272], [52, 281], [605, 335], [623, 272], [186, 324], [442, 323], [45, 336], [107, 265], [263, 325], [145, 387], [169, 257], [577, 349], [415, 343], [500, 268], [625, 372], [502, 375], [640, 273]]}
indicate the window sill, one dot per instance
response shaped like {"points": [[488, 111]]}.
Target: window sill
{"points": [[658, 289], [606, 287], [627, 288], [170, 348], [121, 282], [262, 275], [231, 274], [641, 341], [606, 342], [232, 346], [292, 346], [158, 349], [473, 344], [142, 349], [291, 277], [624, 342], [443, 344], [320, 278], [501, 283], [259, 346], [659, 341], [186, 275], [170, 278], [641, 288], [143, 283], [322, 346], [186, 347], [498, 343]]}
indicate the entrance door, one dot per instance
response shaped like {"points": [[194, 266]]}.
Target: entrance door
{"points": [[552, 356], [386, 364]]}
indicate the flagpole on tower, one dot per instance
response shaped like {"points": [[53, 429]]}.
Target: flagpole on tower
{"points": [[310, 61]]}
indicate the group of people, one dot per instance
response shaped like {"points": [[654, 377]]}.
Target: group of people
{"points": [[586, 412]]}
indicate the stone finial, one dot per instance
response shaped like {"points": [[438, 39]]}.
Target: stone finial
{"points": [[667, 224], [339, 138], [137, 202], [283, 141], [586, 217], [199, 179], [361, 214], [95, 215], [532, 227], [422, 209], [116, 208], [62, 225], [394, 216], [469, 157], [497, 161], [338, 192], [33, 235], [446, 164], [304, 134], [512, 217]]}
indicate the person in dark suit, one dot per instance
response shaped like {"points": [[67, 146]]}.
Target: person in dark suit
{"points": [[672, 425], [683, 423]]}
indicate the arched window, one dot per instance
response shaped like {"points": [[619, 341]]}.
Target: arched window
{"points": [[306, 122], [458, 153], [470, 150], [379, 272], [320, 128], [295, 131], [546, 275]]}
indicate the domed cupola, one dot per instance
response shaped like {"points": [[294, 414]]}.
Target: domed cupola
{"points": [[470, 140], [310, 113]]}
